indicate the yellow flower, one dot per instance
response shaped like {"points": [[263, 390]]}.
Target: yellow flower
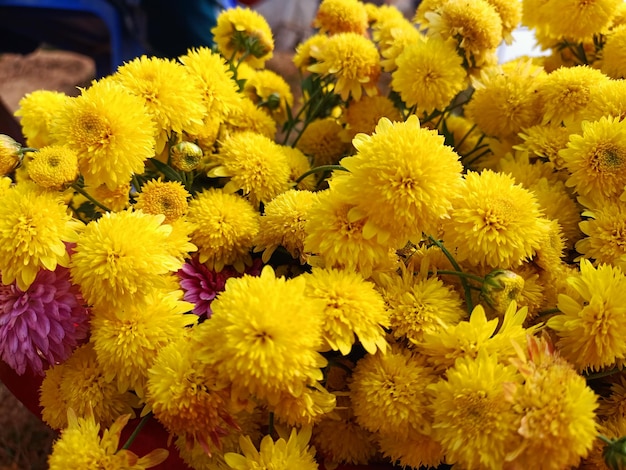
{"points": [[510, 14], [282, 453], [475, 26], [352, 60], [583, 19], [110, 130], [613, 56], [388, 393], [567, 92], [114, 269], [270, 91], [605, 241], [474, 424], [186, 156], [79, 383], [592, 318], [362, 116], [116, 199], [10, 157], [53, 167], [255, 164], [186, 397], [127, 340], [505, 102], [610, 100], [429, 74], [298, 165], [418, 306], [339, 241], [343, 440], [545, 141], [36, 111], [246, 116], [172, 95], [402, 193], [417, 450], [320, 141], [243, 34], [500, 288], [392, 37], [596, 159], [263, 336], [341, 16], [282, 224], [163, 197], [81, 446], [226, 226], [34, 227], [494, 222], [312, 405], [302, 57], [352, 307]]}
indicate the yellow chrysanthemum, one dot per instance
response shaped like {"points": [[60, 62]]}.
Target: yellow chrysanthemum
{"points": [[255, 165], [53, 167], [605, 240], [611, 100], [402, 193], [226, 226], [127, 340], [302, 57], [592, 318], [34, 227], [352, 307], [388, 393], [613, 55], [115, 199], [10, 157], [418, 306], [417, 450], [79, 384], [524, 171], [111, 131], [246, 116], [341, 16], [113, 268], [298, 165], [293, 452], [596, 159], [219, 87], [343, 441], [557, 409], [475, 26], [545, 141], [567, 92], [163, 197], [244, 34], [270, 91], [467, 338], [462, 134], [472, 421], [339, 241], [583, 18], [506, 102], [186, 397], [36, 111], [263, 336], [510, 14], [429, 74], [362, 116], [392, 37], [320, 141], [313, 403], [494, 222], [172, 95], [352, 60], [82, 445], [283, 224]]}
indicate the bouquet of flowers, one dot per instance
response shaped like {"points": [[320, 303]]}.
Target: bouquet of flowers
{"points": [[419, 261]]}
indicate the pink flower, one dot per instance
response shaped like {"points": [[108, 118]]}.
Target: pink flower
{"points": [[42, 325], [202, 285]]}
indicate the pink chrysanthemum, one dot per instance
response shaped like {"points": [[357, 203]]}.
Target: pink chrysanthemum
{"points": [[201, 284], [42, 325]]}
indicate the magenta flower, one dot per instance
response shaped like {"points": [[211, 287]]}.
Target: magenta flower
{"points": [[43, 325], [201, 285]]}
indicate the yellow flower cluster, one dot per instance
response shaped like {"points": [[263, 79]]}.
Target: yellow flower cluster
{"points": [[418, 257]]}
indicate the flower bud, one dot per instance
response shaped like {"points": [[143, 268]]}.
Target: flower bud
{"points": [[615, 454], [186, 156], [500, 288], [10, 155]]}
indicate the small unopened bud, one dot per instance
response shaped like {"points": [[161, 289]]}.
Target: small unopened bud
{"points": [[10, 155], [186, 156], [500, 288], [615, 454], [273, 101]]}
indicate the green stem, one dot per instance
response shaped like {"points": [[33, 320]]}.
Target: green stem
{"points": [[23, 150], [605, 439], [296, 119], [89, 197], [311, 117], [548, 311], [458, 145], [604, 373], [137, 430], [319, 169], [461, 274], [270, 426], [455, 265]]}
